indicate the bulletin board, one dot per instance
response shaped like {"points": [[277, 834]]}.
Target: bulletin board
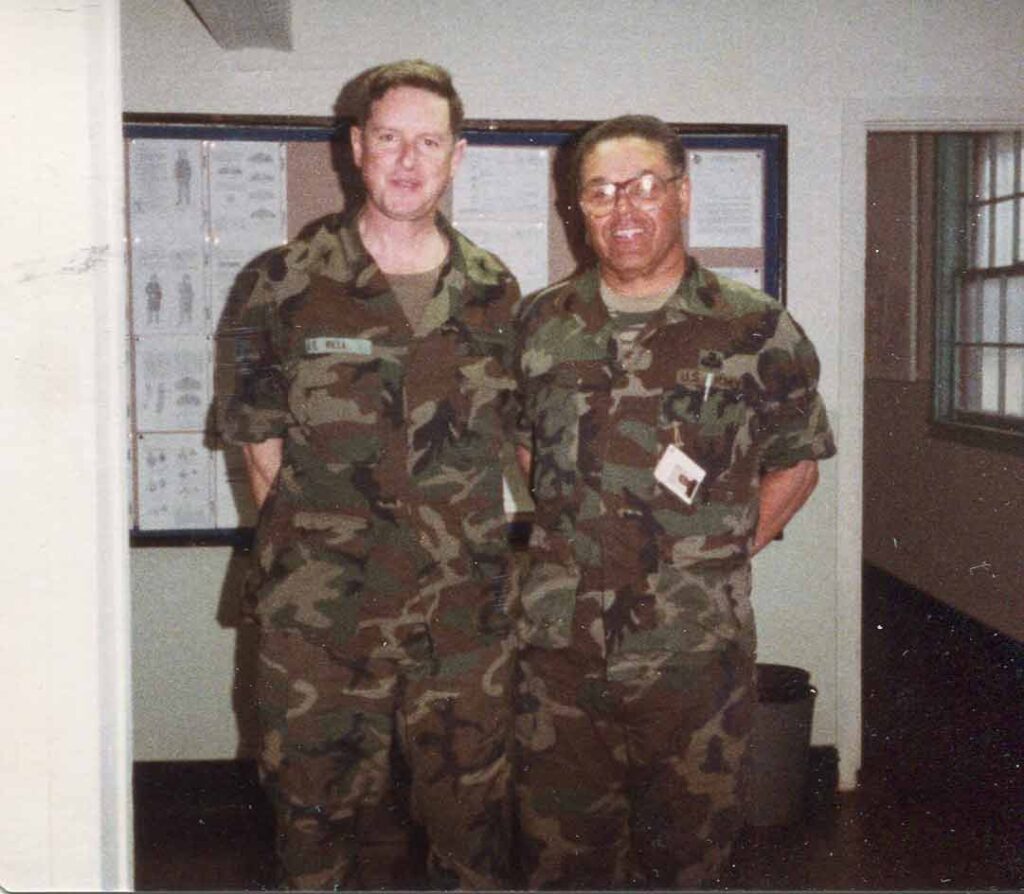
{"points": [[206, 195]]}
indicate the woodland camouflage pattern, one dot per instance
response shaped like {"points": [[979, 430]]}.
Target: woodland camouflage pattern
{"points": [[327, 763], [390, 493], [645, 575], [381, 546], [643, 592], [630, 783]]}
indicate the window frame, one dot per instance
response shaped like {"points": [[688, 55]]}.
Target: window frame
{"points": [[958, 209]]}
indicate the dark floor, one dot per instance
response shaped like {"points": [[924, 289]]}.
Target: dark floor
{"points": [[940, 805]]}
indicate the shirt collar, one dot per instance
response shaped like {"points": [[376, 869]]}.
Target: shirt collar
{"points": [[698, 294], [367, 279]]}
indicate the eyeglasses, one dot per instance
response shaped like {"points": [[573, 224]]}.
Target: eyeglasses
{"points": [[646, 192]]}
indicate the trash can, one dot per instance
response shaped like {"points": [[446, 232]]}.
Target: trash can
{"points": [[780, 745]]}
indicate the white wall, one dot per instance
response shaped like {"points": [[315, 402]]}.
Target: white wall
{"points": [[817, 67], [65, 754], [187, 646]]}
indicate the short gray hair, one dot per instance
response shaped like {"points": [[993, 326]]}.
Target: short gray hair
{"points": [[644, 127]]}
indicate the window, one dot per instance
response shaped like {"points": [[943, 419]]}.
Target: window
{"points": [[980, 281]]}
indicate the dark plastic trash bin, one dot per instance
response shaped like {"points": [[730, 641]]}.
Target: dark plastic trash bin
{"points": [[780, 745]]}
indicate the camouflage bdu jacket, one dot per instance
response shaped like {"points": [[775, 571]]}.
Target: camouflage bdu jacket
{"points": [[385, 531], [623, 569]]}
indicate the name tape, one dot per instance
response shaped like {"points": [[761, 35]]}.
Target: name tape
{"points": [[328, 345]]}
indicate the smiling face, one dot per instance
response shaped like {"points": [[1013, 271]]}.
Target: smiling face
{"points": [[640, 251], [407, 153]]}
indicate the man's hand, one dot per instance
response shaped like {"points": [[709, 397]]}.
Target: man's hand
{"points": [[783, 492], [524, 459], [262, 463]]}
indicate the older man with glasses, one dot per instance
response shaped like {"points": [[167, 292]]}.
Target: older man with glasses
{"points": [[673, 426]]}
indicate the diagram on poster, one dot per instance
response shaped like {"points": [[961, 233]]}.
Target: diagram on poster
{"points": [[166, 206], [499, 181], [199, 211], [169, 292], [172, 383], [246, 196], [727, 198], [175, 481], [500, 200]]}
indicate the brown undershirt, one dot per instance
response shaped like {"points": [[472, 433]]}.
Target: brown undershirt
{"points": [[414, 291], [616, 302], [630, 314]]}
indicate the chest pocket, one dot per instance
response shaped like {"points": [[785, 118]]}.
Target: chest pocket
{"points": [[453, 391], [561, 402], [712, 423], [340, 402]]}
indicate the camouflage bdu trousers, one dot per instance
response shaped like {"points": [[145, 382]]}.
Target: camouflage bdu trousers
{"points": [[360, 755], [631, 783]]}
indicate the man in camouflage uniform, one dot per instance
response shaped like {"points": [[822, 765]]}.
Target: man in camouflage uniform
{"points": [[638, 641], [373, 394]]}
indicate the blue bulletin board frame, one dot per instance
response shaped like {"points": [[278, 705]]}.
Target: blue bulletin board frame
{"points": [[771, 140]]}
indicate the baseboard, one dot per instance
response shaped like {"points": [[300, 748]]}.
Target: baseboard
{"points": [[167, 786]]}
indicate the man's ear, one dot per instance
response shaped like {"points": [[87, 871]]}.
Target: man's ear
{"points": [[683, 191], [355, 134], [457, 153]]}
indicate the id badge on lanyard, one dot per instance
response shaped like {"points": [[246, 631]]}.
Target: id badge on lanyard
{"points": [[678, 473]]}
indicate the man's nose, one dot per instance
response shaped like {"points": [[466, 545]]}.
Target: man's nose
{"points": [[621, 195], [407, 154]]}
